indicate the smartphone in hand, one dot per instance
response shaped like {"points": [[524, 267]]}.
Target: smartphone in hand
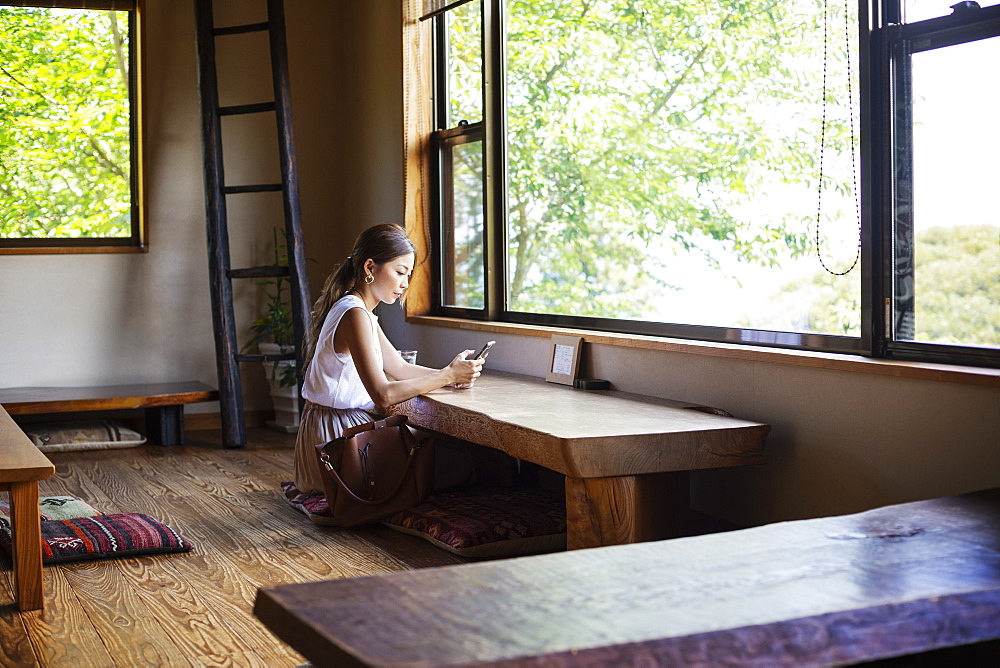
{"points": [[486, 349]]}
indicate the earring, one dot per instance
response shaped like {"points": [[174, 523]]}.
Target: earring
{"points": [[369, 279]]}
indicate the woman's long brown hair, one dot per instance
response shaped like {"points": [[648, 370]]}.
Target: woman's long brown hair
{"points": [[380, 243]]}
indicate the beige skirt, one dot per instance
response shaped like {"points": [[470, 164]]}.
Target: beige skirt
{"points": [[319, 425]]}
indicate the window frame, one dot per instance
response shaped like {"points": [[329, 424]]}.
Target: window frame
{"points": [[443, 138], [137, 240], [891, 75], [443, 143]]}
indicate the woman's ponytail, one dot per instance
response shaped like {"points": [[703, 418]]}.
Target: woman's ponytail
{"points": [[380, 243]]}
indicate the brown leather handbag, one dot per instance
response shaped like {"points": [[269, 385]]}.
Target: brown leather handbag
{"points": [[375, 470]]}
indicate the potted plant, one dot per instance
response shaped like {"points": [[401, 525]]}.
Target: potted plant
{"points": [[272, 332]]}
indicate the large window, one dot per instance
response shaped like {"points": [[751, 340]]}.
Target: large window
{"points": [[68, 158], [722, 171]]}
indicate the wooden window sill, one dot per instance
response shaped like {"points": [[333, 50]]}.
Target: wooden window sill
{"points": [[948, 373], [70, 250]]}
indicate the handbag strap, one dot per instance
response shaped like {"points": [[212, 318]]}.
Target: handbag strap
{"points": [[391, 421], [414, 446]]}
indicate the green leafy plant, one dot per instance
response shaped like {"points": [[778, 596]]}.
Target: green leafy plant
{"points": [[274, 325]]}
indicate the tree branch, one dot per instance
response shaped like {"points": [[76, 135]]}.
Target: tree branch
{"points": [[555, 69], [102, 158], [118, 43], [25, 86]]}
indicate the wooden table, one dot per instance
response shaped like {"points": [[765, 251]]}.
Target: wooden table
{"points": [[625, 456], [887, 582], [22, 465]]}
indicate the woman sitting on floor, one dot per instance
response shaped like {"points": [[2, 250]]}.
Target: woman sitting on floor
{"points": [[348, 356]]}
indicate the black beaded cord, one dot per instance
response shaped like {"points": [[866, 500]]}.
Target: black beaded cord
{"points": [[822, 140]]}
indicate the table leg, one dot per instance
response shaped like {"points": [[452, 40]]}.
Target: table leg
{"points": [[165, 425], [27, 545], [625, 509]]}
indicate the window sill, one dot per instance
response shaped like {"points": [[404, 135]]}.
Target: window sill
{"points": [[71, 250], [947, 373]]}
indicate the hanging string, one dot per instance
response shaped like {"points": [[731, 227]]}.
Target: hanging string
{"points": [[822, 139]]}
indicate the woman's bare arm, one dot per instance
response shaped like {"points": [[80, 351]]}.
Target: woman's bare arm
{"points": [[395, 365], [354, 333]]}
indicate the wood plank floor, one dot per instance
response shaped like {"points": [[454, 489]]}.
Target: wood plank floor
{"points": [[194, 608]]}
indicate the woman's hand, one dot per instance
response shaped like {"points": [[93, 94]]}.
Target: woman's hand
{"points": [[463, 372]]}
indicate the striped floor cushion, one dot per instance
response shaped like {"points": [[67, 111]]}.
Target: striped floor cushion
{"points": [[93, 535], [85, 435]]}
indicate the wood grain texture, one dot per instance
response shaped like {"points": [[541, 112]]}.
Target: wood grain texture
{"points": [[587, 434], [72, 250], [26, 547], [417, 127], [15, 648], [625, 509], [20, 460], [190, 609], [128, 628], [891, 581], [33, 400], [216, 221], [64, 635], [21, 467], [613, 447]]}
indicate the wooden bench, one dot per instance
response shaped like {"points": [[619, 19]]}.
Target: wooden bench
{"points": [[888, 582], [163, 403], [21, 467]]}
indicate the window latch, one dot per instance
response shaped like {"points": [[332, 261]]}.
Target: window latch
{"points": [[965, 6]]}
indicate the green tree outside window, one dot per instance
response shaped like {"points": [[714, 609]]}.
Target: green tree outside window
{"points": [[65, 124]]}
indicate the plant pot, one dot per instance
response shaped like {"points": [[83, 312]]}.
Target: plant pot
{"points": [[284, 399]]}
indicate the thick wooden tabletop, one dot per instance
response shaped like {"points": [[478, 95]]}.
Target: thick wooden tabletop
{"points": [[20, 460], [31, 400], [895, 580], [587, 433]]}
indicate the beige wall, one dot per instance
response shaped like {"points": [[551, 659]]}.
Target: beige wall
{"points": [[841, 442], [123, 318]]}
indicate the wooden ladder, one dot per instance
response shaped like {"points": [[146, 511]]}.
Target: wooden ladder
{"points": [[221, 274]]}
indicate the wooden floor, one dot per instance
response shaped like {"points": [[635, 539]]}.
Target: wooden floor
{"points": [[194, 608]]}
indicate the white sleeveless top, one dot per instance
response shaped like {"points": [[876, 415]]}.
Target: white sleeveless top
{"points": [[331, 378]]}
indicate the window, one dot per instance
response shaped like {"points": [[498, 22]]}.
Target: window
{"points": [[945, 232], [721, 172], [68, 160], [460, 149]]}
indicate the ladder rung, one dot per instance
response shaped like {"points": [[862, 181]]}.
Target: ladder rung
{"points": [[257, 108], [268, 271], [263, 188], [271, 357], [236, 30]]}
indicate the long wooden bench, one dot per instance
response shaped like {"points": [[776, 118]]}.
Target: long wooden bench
{"points": [[888, 582], [21, 467], [163, 403]]}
